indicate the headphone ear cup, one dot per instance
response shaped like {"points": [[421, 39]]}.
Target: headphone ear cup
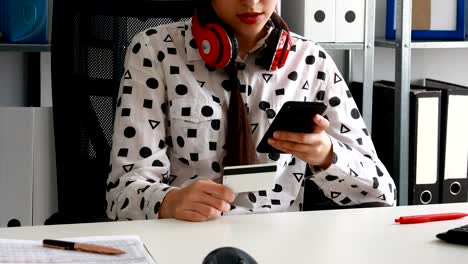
{"points": [[276, 51], [227, 43], [216, 46]]}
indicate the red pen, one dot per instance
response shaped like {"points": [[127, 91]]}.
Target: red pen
{"points": [[416, 219]]}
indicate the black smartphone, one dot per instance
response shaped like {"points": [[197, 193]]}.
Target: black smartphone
{"points": [[293, 117]]}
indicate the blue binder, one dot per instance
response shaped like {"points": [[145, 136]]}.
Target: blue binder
{"points": [[24, 21], [457, 34]]}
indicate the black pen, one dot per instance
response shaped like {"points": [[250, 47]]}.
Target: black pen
{"points": [[59, 244]]}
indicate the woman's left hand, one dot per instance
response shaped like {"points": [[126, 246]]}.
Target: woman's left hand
{"points": [[314, 148]]}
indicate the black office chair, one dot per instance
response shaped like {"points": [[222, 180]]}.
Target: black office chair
{"points": [[88, 50]]}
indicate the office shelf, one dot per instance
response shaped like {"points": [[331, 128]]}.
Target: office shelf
{"points": [[403, 46], [342, 46], [462, 44], [289, 12], [25, 47], [33, 67]]}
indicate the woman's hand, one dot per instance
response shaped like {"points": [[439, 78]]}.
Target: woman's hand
{"points": [[314, 148], [201, 201]]}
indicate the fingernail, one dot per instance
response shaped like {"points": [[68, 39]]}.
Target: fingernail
{"points": [[227, 207], [276, 134], [271, 141]]}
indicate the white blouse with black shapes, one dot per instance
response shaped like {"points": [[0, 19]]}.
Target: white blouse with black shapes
{"points": [[170, 127]]}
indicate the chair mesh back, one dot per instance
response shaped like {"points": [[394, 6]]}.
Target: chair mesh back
{"points": [[88, 50]]}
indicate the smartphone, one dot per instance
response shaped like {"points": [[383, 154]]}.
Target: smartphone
{"points": [[293, 117]]}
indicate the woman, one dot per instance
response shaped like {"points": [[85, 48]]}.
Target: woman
{"points": [[188, 106]]}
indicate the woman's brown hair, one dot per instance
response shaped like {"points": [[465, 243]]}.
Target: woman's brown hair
{"points": [[239, 144]]}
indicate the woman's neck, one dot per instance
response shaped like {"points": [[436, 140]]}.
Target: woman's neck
{"points": [[246, 43]]}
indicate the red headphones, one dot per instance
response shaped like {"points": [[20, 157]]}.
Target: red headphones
{"points": [[218, 47]]}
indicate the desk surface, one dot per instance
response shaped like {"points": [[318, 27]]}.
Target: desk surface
{"points": [[338, 236]]}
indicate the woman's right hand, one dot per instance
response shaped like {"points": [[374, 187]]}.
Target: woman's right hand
{"points": [[201, 201]]}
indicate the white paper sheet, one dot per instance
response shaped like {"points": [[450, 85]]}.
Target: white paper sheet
{"points": [[32, 251]]}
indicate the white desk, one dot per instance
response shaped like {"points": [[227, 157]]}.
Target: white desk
{"points": [[338, 236]]}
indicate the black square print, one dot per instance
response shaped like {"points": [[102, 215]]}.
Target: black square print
{"points": [[127, 90], [186, 111], [194, 156], [213, 146], [148, 103], [174, 70], [126, 112], [123, 152], [192, 133]]}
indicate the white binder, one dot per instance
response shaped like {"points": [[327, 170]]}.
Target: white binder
{"points": [[319, 20], [349, 17], [16, 165], [313, 19], [45, 201]]}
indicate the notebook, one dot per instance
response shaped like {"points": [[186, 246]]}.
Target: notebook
{"points": [[32, 251]]}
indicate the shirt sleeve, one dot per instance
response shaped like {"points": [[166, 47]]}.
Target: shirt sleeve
{"points": [[356, 175], [139, 176]]}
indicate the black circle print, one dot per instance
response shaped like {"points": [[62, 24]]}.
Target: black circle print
{"points": [[292, 76], [319, 16], [310, 60], [151, 32], [350, 16], [207, 111], [335, 101], [136, 48], [355, 113], [145, 152], [264, 105], [216, 167], [320, 95], [181, 89], [129, 132], [152, 83]]}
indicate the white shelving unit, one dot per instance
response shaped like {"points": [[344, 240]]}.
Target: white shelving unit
{"points": [[367, 46], [28, 183], [403, 47]]}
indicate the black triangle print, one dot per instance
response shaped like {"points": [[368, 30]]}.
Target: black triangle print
{"points": [[353, 173], [168, 38], [255, 126], [154, 124], [298, 176], [306, 86], [201, 83], [382, 197], [337, 78], [128, 167], [335, 194], [267, 77], [344, 129], [127, 75]]}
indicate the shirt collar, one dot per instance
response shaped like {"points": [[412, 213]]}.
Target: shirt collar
{"points": [[194, 55]]}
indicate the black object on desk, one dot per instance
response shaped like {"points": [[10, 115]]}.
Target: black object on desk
{"points": [[228, 255], [458, 235]]}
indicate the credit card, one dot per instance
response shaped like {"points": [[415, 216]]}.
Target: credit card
{"points": [[250, 178]]}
